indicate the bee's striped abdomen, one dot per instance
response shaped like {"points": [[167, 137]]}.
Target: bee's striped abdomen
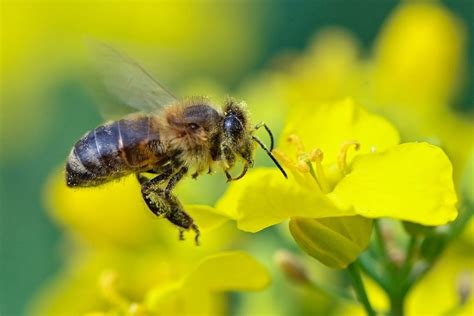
{"points": [[113, 150]]}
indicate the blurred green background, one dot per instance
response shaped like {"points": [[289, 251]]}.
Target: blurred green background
{"points": [[45, 105]]}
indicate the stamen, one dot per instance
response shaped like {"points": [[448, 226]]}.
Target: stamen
{"points": [[317, 156], [342, 156], [302, 158], [305, 162], [282, 157], [302, 166], [294, 139]]}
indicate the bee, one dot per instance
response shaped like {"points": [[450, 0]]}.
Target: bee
{"points": [[167, 137]]}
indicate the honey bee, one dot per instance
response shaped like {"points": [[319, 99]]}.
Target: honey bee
{"points": [[168, 137]]}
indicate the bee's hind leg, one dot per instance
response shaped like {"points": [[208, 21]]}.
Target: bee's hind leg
{"points": [[180, 218], [156, 203], [169, 207]]}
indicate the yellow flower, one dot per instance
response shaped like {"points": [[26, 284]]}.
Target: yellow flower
{"points": [[329, 69], [411, 181], [233, 271], [419, 55], [413, 76], [115, 237], [149, 283], [416, 74]]}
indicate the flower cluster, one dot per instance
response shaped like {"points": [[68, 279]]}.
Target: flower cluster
{"points": [[363, 194], [123, 260], [358, 171]]}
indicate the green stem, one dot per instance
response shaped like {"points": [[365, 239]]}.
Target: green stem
{"points": [[368, 266], [400, 287], [380, 241], [359, 288], [411, 253], [397, 305]]}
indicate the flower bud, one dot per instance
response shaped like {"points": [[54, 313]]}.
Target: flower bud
{"points": [[336, 241]]}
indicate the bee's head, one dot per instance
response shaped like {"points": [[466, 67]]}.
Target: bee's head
{"points": [[238, 139]]}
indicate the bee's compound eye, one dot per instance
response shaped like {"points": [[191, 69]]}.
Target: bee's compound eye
{"points": [[232, 126], [193, 126]]}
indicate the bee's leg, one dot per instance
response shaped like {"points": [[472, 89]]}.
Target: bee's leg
{"points": [[174, 180], [155, 201], [200, 171], [152, 194], [180, 218], [141, 178], [229, 158], [171, 209], [184, 222], [147, 184]]}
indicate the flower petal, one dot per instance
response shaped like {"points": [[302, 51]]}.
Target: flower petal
{"points": [[412, 182], [228, 271], [264, 198], [334, 241], [198, 293], [205, 216], [328, 126]]}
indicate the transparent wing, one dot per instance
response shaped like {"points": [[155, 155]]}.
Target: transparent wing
{"points": [[126, 83]]}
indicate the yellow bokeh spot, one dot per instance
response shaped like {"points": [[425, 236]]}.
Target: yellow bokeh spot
{"points": [[419, 54]]}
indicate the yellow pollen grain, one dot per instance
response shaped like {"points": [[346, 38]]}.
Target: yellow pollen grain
{"points": [[342, 156]]}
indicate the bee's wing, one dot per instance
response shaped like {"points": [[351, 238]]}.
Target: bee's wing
{"points": [[127, 83]]}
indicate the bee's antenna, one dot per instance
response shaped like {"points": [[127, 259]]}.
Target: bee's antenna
{"points": [[269, 153], [268, 131]]}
